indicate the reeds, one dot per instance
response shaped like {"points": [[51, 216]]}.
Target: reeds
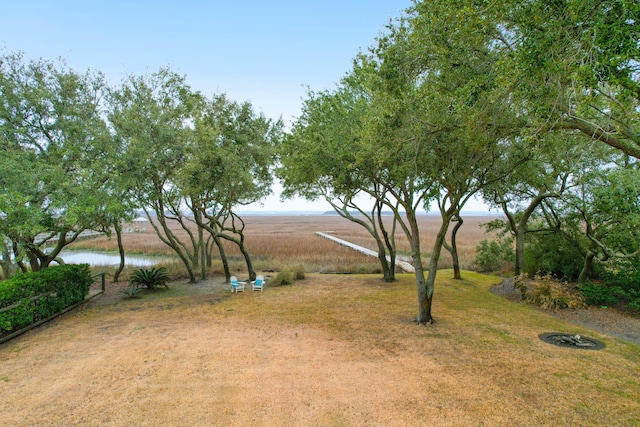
{"points": [[278, 242]]}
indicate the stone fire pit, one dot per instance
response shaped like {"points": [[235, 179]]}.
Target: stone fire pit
{"points": [[571, 341]]}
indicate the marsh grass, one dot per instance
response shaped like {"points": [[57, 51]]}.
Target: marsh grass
{"points": [[277, 242]]}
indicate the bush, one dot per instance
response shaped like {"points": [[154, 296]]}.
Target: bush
{"points": [[548, 293], [552, 253], [622, 282], [285, 277], [131, 292], [40, 295], [496, 255], [595, 294], [299, 273], [150, 279]]}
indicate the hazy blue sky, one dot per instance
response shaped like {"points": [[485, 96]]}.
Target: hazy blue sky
{"points": [[266, 52]]}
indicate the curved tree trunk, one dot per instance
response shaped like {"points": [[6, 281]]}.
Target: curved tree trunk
{"points": [[118, 229], [389, 243], [425, 291], [202, 254], [586, 267], [435, 256], [385, 244], [172, 241], [238, 241], [453, 248], [223, 258], [519, 233]]}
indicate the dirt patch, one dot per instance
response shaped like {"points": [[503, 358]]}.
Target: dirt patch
{"points": [[608, 320]]}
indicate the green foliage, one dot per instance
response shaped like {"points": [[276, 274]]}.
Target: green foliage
{"points": [[131, 292], [577, 61], [622, 284], [495, 255], [150, 278], [597, 294], [39, 295], [56, 172], [554, 254], [285, 277]]}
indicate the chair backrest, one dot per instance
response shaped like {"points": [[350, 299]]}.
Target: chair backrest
{"points": [[234, 280], [259, 280]]}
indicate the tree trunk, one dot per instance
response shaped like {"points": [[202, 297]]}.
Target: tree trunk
{"points": [[202, 254], [118, 229], [388, 264], [223, 258], [171, 240], [247, 259], [519, 235], [453, 249], [586, 268], [425, 292], [435, 257], [389, 244], [6, 260]]}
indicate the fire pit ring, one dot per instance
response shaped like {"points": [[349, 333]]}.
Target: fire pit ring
{"points": [[571, 341]]}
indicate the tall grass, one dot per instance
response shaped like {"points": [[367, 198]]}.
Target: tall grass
{"points": [[277, 242]]}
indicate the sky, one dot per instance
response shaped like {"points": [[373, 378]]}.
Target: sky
{"points": [[269, 53]]}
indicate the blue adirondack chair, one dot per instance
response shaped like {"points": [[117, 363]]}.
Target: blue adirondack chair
{"points": [[258, 284], [236, 286]]}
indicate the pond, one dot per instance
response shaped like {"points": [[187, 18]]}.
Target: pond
{"points": [[105, 258]]}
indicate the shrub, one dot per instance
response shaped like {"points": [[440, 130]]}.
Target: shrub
{"points": [[596, 294], [131, 292], [150, 278], [552, 253], [623, 282], [548, 293], [299, 273], [39, 295], [496, 255], [285, 277], [520, 283]]}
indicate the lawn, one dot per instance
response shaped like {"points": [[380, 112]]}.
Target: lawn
{"points": [[327, 350]]}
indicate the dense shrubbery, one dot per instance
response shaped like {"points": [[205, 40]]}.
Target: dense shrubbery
{"points": [[495, 255], [40, 295], [621, 285], [552, 253]]}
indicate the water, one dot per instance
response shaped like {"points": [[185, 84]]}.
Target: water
{"points": [[106, 259]]}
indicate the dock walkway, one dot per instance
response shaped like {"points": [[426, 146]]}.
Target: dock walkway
{"points": [[403, 265]]}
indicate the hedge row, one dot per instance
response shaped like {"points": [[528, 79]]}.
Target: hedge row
{"points": [[40, 295]]}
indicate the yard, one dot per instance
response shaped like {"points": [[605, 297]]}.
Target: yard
{"points": [[327, 350]]}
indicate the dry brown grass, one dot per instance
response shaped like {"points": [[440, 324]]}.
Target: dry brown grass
{"points": [[330, 350]]}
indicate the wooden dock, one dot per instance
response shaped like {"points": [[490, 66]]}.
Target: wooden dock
{"points": [[403, 265]]}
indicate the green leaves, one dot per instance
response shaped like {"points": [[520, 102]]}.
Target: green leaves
{"points": [[55, 170], [150, 278]]}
